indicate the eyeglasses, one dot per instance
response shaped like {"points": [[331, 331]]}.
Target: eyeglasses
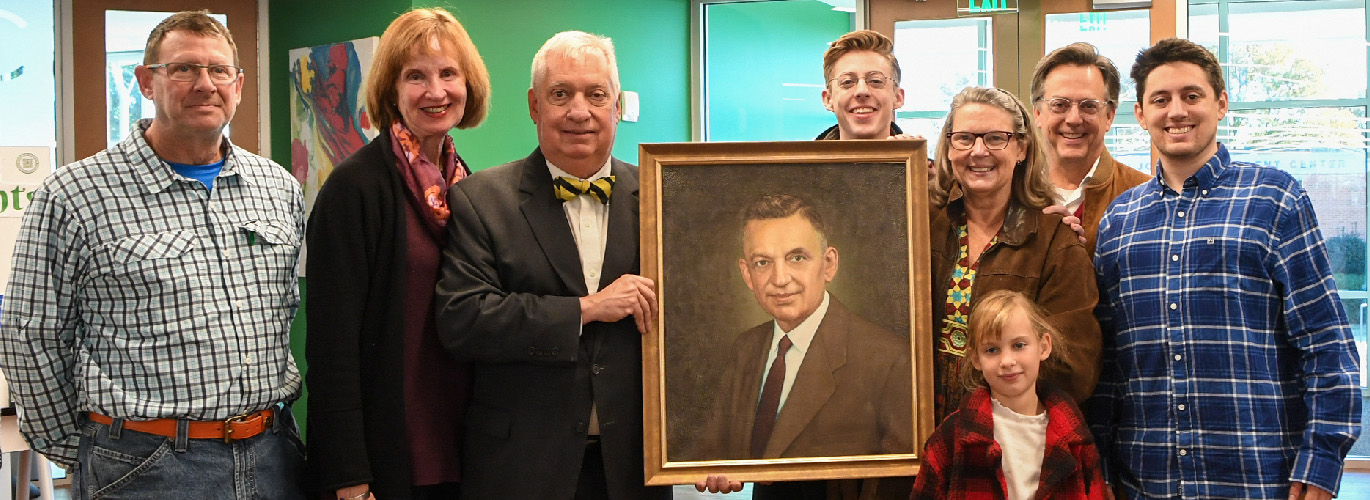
{"points": [[996, 139], [1061, 106], [874, 79], [189, 72]]}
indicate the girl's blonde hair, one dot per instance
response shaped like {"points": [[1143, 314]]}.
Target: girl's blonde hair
{"points": [[987, 320]]}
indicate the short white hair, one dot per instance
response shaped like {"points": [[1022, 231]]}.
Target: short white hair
{"points": [[575, 44]]}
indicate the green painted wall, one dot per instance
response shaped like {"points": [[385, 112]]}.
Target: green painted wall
{"points": [[758, 52], [651, 38], [305, 24]]}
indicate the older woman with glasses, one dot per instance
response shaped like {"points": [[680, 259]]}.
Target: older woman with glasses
{"points": [[991, 235], [385, 399]]}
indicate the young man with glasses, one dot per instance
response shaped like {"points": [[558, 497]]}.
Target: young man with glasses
{"points": [[1074, 96], [862, 88], [146, 329]]}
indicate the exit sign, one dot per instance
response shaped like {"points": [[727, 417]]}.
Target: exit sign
{"points": [[978, 7]]}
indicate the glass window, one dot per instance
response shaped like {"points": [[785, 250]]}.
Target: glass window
{"points": [[959, 49], [763, 68], [1296, 77], [28, 85], [1279, 51]]}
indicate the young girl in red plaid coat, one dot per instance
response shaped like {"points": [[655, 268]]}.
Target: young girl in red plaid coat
{"points": [[1012, 437]]}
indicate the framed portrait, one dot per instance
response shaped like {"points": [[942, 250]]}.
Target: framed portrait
{"points": [[793, 339]]}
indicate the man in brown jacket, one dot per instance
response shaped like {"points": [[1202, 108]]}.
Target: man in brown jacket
{"points": [[1074, 95]]}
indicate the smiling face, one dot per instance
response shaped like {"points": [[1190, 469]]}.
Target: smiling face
{"points": [[985, 172], [431, 94], [1011, 362], [863, 112], [787, 266], [1181, 111], [576, 112], [201, 107], [1074, 136]]}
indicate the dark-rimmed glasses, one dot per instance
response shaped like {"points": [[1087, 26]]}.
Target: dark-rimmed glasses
{"points": [[994, 139]]}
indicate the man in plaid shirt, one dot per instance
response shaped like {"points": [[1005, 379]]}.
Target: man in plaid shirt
{"points": [[1228, 365], [146, 327]]}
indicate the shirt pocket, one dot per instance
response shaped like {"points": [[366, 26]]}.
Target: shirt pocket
{"points": [[1222, 255], [144, 279], [273, 250], [147, 258], [273, 239]]}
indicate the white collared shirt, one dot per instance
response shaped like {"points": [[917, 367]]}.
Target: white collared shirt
{"points": [[802, 337], [589, 220], [1072, 198]]}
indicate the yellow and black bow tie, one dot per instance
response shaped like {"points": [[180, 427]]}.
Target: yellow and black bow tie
{"points": [[568, 188]]}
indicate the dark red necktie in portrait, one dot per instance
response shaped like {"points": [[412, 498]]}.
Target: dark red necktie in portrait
{"points": [[770, 400]]}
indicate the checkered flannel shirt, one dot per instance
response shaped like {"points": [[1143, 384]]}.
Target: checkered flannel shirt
{"points": [[138, 293], [1229, 368]]}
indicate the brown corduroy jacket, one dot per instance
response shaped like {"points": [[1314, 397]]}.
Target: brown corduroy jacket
{"points": [[1110, 180]]}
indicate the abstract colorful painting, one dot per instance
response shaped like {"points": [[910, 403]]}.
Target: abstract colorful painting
{"points": [[328, 117]]}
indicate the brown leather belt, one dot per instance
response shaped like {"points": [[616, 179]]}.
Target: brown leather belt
{"points": [[233, 429]]}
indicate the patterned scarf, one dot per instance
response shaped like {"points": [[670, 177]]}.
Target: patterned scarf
{"points": [[426, 182]]}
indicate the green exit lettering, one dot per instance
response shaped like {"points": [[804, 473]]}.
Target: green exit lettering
{"points": [[987, 5]]}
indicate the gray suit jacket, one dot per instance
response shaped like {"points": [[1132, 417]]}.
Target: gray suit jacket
{"points": [[508, 303]]}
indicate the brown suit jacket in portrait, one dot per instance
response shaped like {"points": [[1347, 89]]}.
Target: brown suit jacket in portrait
{"points": [[1110, 180], [851, 396]]}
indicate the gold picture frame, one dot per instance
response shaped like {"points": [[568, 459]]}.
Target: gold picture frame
{"points": [[874, 200]]}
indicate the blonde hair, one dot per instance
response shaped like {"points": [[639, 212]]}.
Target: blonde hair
{"points": [[860, 41], [408, 36], [1031, 186], [987, 320]]}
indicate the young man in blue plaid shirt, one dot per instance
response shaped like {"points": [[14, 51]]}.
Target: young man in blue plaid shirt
{"points": [[1228, 365]]}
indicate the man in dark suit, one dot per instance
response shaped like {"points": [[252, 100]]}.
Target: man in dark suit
{"points": [[818, 380], [539, 292]]}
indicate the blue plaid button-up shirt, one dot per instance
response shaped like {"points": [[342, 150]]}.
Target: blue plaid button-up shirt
{"points": [[138, 293], [1229, 369]]}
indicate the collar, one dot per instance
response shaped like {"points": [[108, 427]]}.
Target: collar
{"points": [[154, 172], [1064, 428], [1102, 171], [833, 133], [803, 334], [1018, 225], [601, 173], [1208, 175], [1092, 170]]}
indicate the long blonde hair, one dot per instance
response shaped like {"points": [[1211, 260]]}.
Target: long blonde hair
{"points": [[1031, 186]]}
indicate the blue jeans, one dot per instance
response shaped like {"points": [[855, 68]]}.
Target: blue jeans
{"points": [[116, 463]]}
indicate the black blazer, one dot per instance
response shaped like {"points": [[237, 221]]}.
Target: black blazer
{"points": [[508, 302], [355, 272]]}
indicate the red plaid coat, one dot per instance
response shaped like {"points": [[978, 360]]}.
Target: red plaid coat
{"points": [[961, 459]]}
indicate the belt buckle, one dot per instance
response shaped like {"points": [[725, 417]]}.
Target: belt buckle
{"points": [[228, 424]]}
